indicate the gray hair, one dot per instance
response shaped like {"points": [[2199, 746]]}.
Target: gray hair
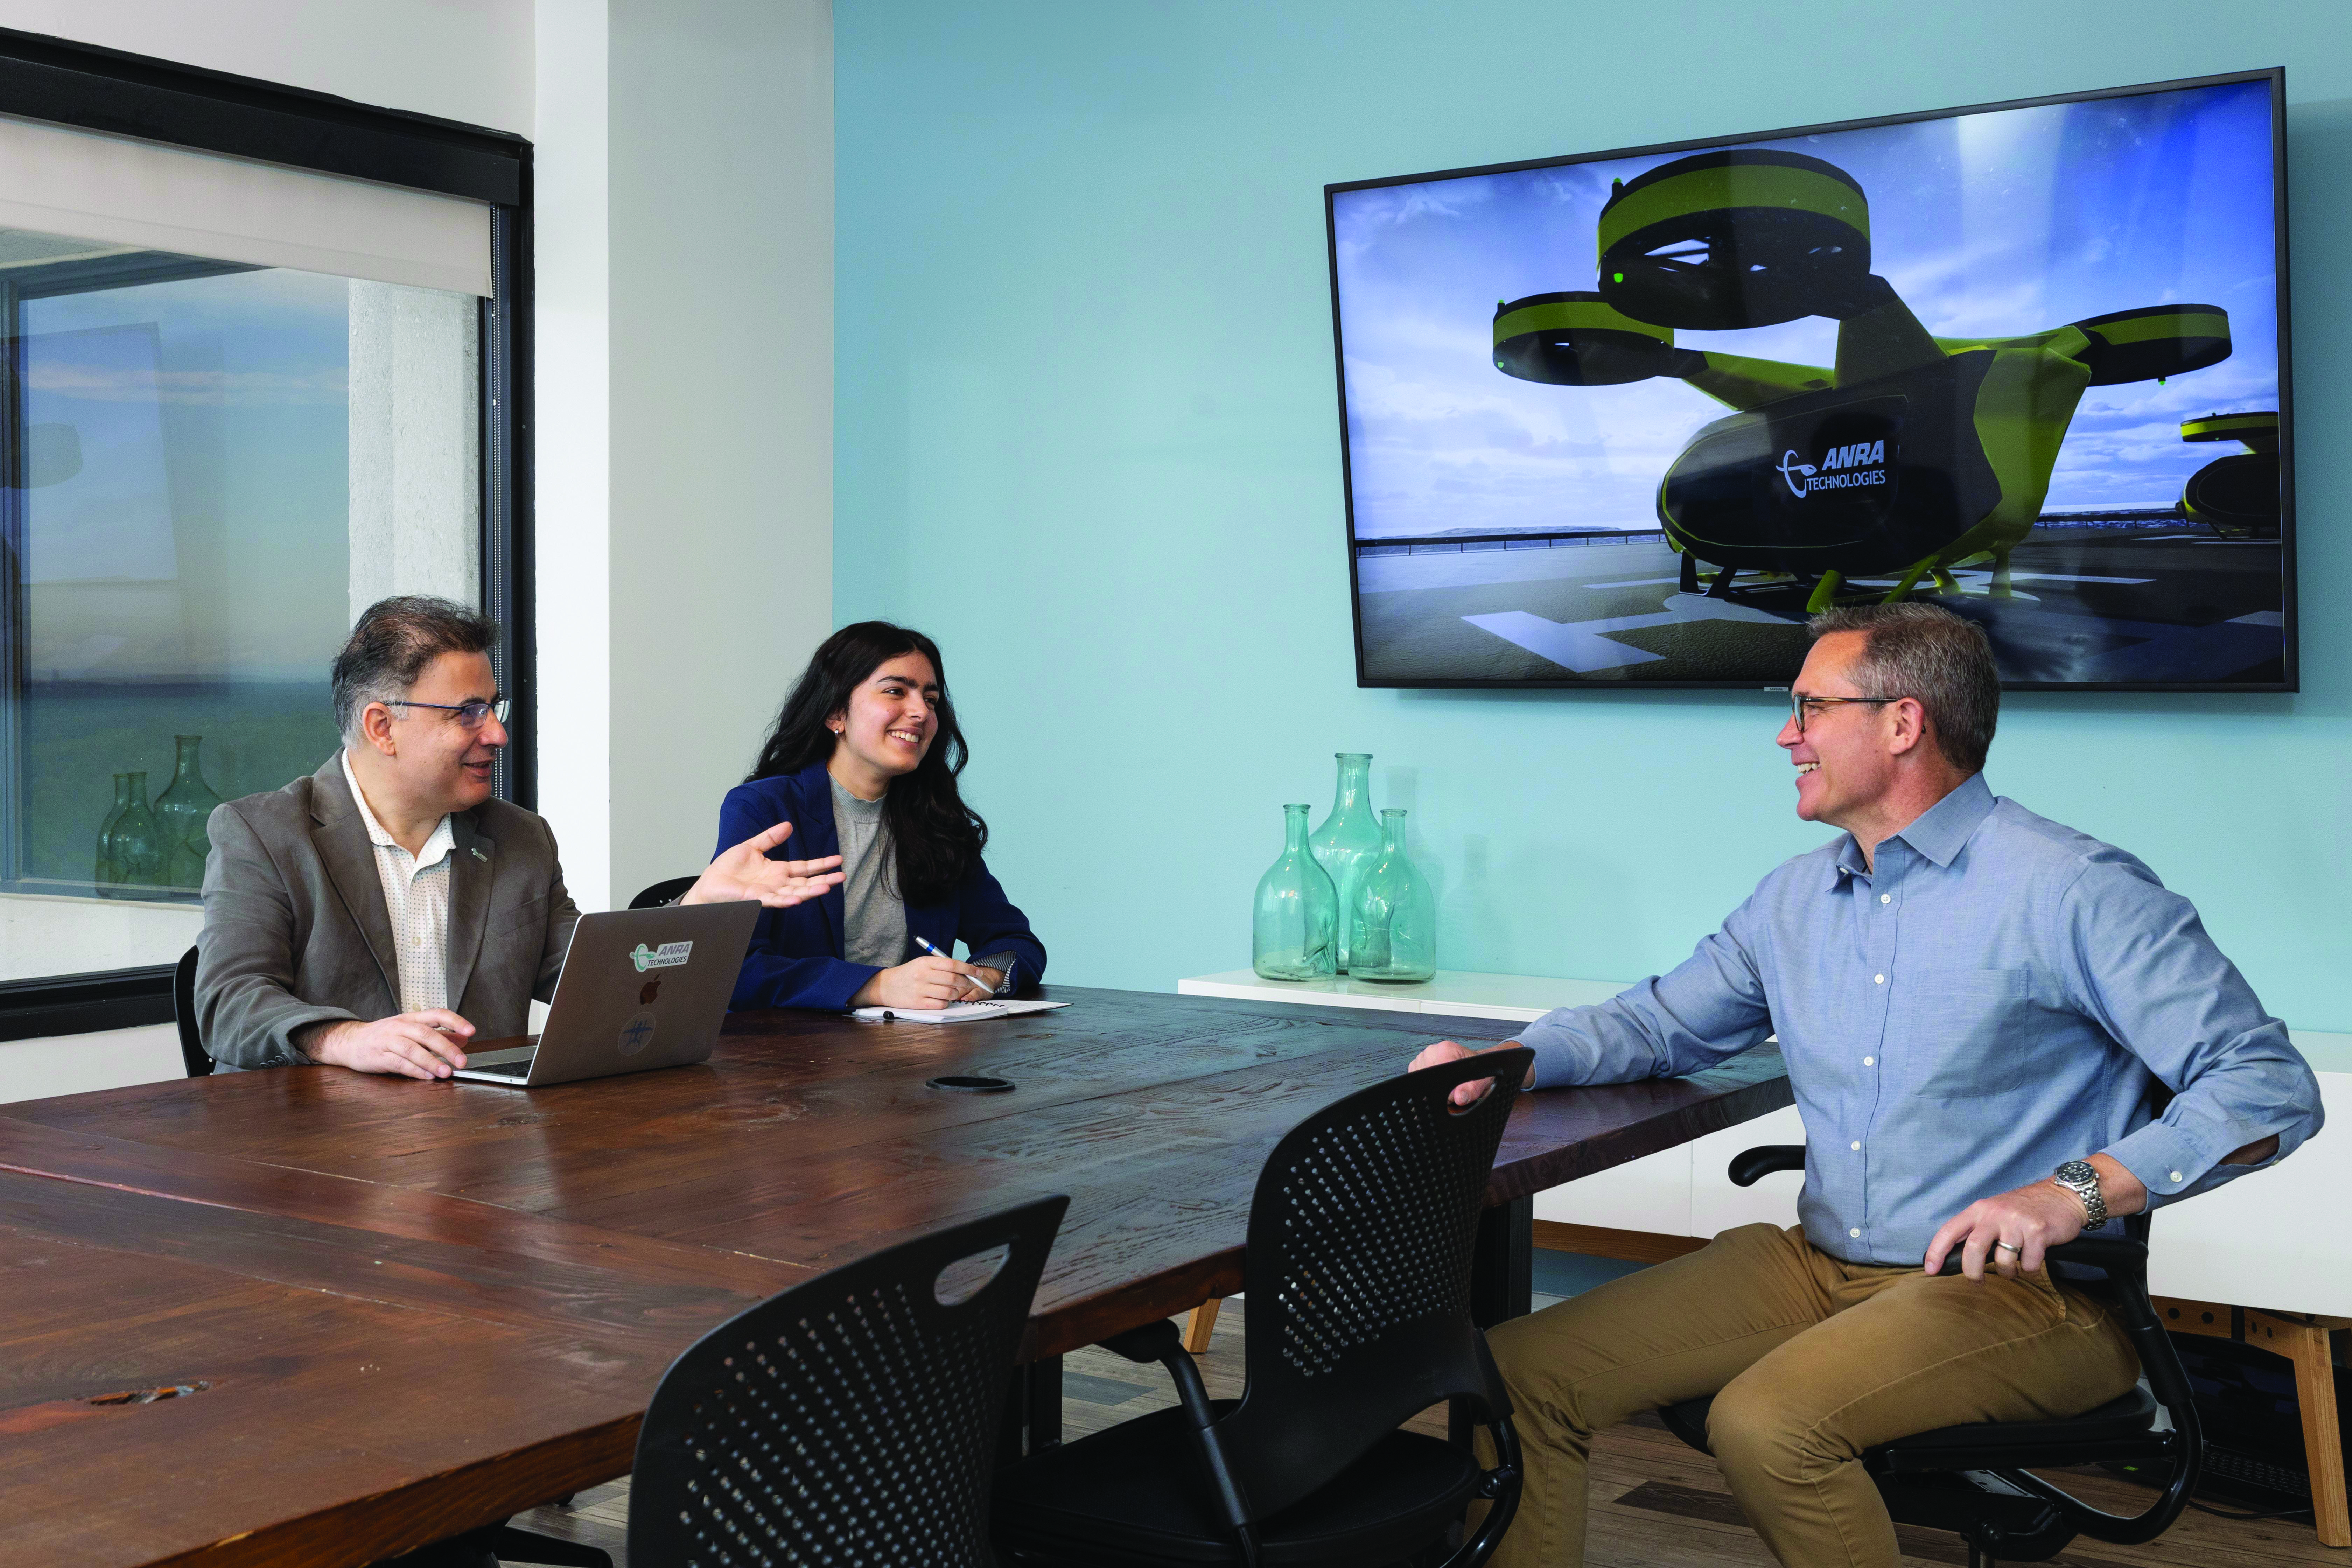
{"points": [[394, 640], [1926, 653]]}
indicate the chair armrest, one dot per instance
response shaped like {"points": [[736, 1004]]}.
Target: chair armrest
{"points": [[2114, 1254], [1153, 1341], [1163, 1342], [1750, 1166]]}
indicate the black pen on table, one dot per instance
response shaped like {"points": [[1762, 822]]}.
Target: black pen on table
{"points": [[935, 953]]}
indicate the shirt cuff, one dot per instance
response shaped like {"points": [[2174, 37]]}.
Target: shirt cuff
{"points": [[1561, 1059], [1004, 964], [2167, 1163]]}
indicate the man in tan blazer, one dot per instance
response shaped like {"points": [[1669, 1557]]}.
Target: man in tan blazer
{"points": [[386, 910]]}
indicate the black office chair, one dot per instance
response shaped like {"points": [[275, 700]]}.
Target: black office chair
{"points": [[192, 1055], [1975, 1480], [662, 892], [1358, 1264], [852, 1419]]}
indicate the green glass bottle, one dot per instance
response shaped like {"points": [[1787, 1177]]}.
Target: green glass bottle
{"points": [[138, 845], [106, 872], [181, 814], [1294, 932], [1349, 838], [1393, 921]]}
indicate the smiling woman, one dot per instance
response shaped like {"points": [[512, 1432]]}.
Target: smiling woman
{"points": [[863, 762]]}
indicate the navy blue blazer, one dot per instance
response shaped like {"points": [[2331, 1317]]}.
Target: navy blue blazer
{"points": [[796, 953]]}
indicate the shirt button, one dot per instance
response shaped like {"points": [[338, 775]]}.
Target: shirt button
{"points": [[1885, 897], [1870, 1062], [1857, 1146], [2175, 1175], [1854, 1233], [1878, 979]]}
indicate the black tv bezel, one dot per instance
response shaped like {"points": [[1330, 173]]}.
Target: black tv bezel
{"points": [[2275, 76]]}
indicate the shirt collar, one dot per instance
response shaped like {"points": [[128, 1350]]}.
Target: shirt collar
{"points": [[1942, 830], [1939, 833], [436, 847]]}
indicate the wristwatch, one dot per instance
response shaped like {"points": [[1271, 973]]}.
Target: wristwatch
{"points": [[2081, 1178]]}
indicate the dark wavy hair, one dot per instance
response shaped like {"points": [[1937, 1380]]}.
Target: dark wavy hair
{"points": [[394, 640], [936, 839]]}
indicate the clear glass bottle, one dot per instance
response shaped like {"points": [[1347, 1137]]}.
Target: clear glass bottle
{"points": [[1393, 923], [138, 845], [1294, 932], [1349, 838], [106, 872], [181, 814]]}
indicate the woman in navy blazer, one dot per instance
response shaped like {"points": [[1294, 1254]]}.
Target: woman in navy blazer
{"points": [[869, 724]]}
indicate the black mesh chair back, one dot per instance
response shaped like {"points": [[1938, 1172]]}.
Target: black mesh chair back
{"points": [[1357, 1265], [850, 1422], [192, 1055], [662, 892]]}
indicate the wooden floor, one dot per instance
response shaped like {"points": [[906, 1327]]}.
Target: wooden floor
{"points": [[1657, 1504]]}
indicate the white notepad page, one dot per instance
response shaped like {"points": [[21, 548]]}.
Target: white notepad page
{"points": [[954, 1013]]}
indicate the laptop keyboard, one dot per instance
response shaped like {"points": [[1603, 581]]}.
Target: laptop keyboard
{"points": [[517, 1070]]}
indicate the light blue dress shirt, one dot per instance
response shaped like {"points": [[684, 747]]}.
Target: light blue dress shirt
{"points": [[2001, 995]]}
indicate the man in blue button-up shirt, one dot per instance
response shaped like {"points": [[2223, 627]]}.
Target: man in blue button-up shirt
{"points": [[1979, 1008]]}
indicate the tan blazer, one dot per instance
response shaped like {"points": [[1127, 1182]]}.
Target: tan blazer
{"points": [[295, 929]]}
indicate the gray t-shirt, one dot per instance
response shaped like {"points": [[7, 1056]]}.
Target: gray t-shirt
{"points": [[873, 917]]}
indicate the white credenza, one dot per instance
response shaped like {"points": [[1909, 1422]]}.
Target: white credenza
{"points": [[2272, 1240]]}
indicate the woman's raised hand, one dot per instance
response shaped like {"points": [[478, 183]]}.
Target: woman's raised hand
{"points": [[746, 872]]}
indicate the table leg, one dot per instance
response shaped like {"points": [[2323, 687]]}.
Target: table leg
{"points": [[1502, 1281], [1033, 1411], [1502, 1268], [1202, 1324], [2323, 1439], [1045, 1404]]}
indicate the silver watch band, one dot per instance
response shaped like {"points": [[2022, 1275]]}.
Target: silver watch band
{"points": [[2081, 1178]]}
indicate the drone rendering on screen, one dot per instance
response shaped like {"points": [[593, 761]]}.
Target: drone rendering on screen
{"points": [[1911, 456]]}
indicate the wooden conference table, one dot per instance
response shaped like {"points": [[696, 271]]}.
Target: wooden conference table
{"points": [[316, 1318]]}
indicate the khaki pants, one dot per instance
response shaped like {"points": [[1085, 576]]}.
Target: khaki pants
{"points": [[1811, 1360]]}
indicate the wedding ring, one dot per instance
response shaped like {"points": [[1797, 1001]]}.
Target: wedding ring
{"points": [[1997, 1245]]}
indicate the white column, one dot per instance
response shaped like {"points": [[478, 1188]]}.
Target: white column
{"points": [[574, 462], [415, 444]]}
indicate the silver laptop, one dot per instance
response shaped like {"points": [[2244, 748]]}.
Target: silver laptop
{"points": [[639, 989]]}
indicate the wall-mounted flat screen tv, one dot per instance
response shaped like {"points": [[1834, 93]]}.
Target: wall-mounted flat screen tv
{"points": [[1629, 418]]}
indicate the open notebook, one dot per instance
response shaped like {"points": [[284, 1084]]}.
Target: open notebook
{"points": [[954, 1013]]}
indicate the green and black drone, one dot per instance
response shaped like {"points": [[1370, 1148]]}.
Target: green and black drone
{"points": [[1912, 455]]}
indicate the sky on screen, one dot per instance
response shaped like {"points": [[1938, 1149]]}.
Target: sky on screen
{"points": [[1991, 224]]}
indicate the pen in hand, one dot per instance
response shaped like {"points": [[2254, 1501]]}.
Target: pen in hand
{"points": [[967, 979]]}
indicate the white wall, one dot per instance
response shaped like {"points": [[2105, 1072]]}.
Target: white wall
{"points": [[722, 401], [77, 1064], [572, 297], [461, 59]]}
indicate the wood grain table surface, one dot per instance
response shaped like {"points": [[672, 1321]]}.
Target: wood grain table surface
{"points": [[380, 1311]]}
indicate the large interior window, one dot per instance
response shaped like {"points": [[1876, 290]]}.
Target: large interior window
{"points": [[210, 469], [263, 361]]}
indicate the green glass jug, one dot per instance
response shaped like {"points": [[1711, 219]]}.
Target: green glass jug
{"points": [[106, 872], [1293, 935], [1350, 839], [1393, 921], [138, 846], [181, 814]]}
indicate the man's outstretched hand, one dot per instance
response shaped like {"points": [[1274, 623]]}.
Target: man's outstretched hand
{"points": [[745, 872], [1468, 1092]]}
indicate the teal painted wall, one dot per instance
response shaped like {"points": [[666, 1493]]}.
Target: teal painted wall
{"points": [[1086, 437]]}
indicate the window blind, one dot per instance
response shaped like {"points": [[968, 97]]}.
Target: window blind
{"points": [[122, 191]]}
